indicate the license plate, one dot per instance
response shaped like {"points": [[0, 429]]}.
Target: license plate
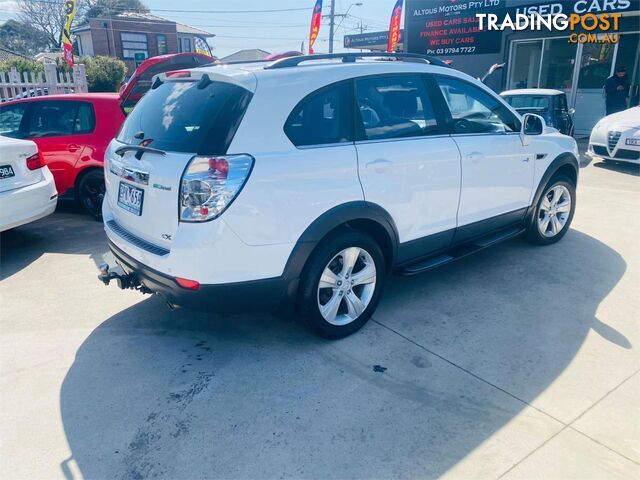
{"points": [[130, 198], [633, 141], [6, 171]]}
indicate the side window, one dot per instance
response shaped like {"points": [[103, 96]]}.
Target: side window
{"points": [[12, 120], [395, 106], [324, 117], [52, 119], [85, 119], [474, 110]]}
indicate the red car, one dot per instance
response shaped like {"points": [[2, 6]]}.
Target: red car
{"points": [[72, 131]]}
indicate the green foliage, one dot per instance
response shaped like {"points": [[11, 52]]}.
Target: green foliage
{"points": [[23, 38], [99, 8], [104, 74], [21, 64]]}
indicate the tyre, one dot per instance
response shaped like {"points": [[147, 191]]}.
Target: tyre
{"points": [[554, 212], [341, 285], [91, 191]]}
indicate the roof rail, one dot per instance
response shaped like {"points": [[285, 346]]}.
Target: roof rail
{"points": [[351, 57]]}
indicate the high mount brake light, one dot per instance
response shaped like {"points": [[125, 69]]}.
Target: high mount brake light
{"points": [[210, 184], [35, 161]]}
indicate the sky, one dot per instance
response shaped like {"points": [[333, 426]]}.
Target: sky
{"points": [[271, 31]]}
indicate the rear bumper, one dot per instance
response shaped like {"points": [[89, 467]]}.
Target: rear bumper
{"points": [[267, 295], [28, 204]]}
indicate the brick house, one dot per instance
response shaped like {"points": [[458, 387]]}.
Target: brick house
{"points": [[126, 34]]}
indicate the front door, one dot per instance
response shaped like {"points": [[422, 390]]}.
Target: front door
{"points": [[406, 161], [497, 169]]}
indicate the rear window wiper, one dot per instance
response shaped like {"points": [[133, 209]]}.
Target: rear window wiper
{"points": [[139, 149]]}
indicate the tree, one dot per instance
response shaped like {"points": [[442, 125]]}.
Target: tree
{"points": [[100, 8], [104, 74], [22, 38], [47, 17]]}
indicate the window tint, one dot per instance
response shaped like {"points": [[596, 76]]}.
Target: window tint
{"points": [[474, 110], [528, 101], [395, 107], [188, 116], [85, 119], [52, 119], [11, 116], [324, 117]]}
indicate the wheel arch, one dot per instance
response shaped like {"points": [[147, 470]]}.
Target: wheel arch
{"points": [[361, 215], [565, 164], [80, 174]]}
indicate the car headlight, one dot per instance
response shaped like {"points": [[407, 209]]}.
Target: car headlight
{"points": [[210, 184]]}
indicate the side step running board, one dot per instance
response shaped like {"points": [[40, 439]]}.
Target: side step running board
{"points": [[460, 251]]}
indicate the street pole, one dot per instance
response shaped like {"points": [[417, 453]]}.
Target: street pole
{"points": [[332, 19]]}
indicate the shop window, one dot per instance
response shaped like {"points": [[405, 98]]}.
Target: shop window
{"points": [[525, 64], [557, 67]]}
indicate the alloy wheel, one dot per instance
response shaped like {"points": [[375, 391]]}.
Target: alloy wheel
{"points": [[554, 211], [346, 286]]}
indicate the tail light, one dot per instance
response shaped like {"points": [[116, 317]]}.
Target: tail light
{"points": [[35, 161], [210, 184]]}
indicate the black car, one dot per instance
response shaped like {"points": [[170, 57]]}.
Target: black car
{"points": [[549, 104]]}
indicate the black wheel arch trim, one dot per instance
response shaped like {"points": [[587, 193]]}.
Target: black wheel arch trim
{"points": [[553, 168], [330, 220]]}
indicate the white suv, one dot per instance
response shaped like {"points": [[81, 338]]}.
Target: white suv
{"points": [[304, 181]]}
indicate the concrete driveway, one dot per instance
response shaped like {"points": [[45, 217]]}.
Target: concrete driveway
{"points": [[519, 362]]}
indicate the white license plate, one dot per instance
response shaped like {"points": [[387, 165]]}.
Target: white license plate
{"points": [[130, 198], [632, 141]]}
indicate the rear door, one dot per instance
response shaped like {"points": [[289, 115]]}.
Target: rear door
{"points": [[408, 164], [61, 128], [181, 118], [497, 169]]}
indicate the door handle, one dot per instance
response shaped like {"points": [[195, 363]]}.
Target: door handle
{"points": [[73, 147], [379, 165]]}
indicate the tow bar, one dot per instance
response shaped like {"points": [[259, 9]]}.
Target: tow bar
{"points": [[124, 280]]}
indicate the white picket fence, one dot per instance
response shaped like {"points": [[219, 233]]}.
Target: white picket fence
{"points": [[49, 82]]}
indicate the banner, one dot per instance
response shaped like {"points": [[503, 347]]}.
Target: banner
{"points": [[202, 47], [316, 19], [394, 27], [67, 46]]}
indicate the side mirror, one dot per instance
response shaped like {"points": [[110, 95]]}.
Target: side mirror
{"points": [[532, 124], [572, 111]]}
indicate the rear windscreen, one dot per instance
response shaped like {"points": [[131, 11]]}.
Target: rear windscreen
{"points": [[528, 101], [187, 116]]}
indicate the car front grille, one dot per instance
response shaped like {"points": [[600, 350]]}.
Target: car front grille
{"points": [[137, 241], [625, 154], [600, 150], [612, 139]]}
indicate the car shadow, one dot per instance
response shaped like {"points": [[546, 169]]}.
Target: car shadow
{"points": [[178, 394], [68, 230], [621, 167]]}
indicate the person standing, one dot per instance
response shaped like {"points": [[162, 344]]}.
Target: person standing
{"points": [[616, 90]]}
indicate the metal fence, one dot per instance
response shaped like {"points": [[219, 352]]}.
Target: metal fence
{"points": [[48, 82]]}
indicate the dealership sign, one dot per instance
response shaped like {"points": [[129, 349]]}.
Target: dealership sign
{"points": [[451, 27], [368, 40]]}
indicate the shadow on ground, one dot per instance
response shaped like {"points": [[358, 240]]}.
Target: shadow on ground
{"points": [[68, 231], [621, 167], [155, 393]]}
